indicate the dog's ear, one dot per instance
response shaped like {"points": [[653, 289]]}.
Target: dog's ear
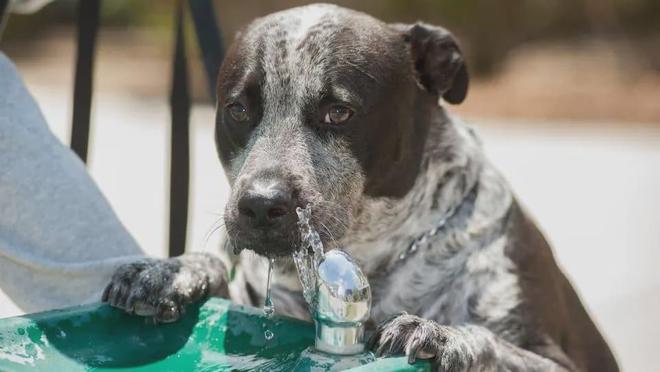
{"points": [[437, 60]]}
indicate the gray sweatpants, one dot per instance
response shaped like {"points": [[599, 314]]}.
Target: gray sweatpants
{"points": [[59, 238]]}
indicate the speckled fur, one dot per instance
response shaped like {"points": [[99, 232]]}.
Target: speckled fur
{"points": [[457, 299]]}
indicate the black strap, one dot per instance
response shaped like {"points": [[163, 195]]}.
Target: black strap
{"points": [[179, 158], [209, 39], [4, 14], [210, 43], [88, 24]]}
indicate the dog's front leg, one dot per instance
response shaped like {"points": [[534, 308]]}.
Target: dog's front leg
{"points": [[461, 348], [161, 288]]}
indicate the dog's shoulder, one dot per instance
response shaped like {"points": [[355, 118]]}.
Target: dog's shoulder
{"points": [[552, 307]]}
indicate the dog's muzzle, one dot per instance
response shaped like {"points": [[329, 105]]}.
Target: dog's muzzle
{"points": [[265, 216]]}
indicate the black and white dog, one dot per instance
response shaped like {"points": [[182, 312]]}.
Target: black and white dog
{"points": [[330, 107]]}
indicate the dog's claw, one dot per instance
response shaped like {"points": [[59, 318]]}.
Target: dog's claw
{"points": [[106, 293], [113, 296], [371, 342], [168, 311], [381, 350], [130, 303], [419, 338], [385, 341], [412, 350]]}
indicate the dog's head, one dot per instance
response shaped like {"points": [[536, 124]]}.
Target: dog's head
{"points": [[325, 106]]}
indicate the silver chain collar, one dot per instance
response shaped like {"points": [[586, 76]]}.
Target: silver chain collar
{"points": [[429, 234], [426, 236]]}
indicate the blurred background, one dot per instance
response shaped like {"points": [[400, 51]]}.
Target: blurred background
{"points": [[565, 93]]}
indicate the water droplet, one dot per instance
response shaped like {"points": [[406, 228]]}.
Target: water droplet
{"points": [[269, 308], [31, 350], [268, 335]]}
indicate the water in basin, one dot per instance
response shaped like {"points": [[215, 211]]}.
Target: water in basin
{"points": [[213, 336], [216, 335]]}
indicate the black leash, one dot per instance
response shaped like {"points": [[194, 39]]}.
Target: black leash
{"points": [[4, 14], [210, 43], [88, 23], [179, 141], [209, 38]]}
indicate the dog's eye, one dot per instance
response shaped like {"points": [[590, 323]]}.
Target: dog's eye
{"points": [[337, 115], [238, 112]]}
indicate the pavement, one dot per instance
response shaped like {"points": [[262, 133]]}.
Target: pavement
{"points": [[592, 187]]}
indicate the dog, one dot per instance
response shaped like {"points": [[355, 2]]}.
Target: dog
{"points": [[329, 107]]}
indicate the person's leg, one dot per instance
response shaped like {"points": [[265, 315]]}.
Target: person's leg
{"points": [[59, 238]]}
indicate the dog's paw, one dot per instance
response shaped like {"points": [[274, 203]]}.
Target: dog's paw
{"points": [[159, 288], [419, 338]]}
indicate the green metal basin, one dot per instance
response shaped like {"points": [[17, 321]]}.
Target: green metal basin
{"points": [[213, 336]]}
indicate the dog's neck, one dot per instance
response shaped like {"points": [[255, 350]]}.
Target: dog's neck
{"points": [[449, 170]]}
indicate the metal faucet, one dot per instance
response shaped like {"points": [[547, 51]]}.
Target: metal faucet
{"points": [[343, 304]]}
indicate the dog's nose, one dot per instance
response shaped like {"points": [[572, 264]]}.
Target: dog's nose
{"points": [[266, 203]]}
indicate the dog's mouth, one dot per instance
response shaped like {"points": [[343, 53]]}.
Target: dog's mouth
{"points": [[266, 243], [271, 249], [282, 242]]}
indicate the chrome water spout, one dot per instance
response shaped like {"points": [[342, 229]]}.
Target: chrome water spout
{"points": [[343, 304]]}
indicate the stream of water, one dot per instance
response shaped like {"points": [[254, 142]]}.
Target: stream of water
{"points": [[308, 256], [269, 308]]}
